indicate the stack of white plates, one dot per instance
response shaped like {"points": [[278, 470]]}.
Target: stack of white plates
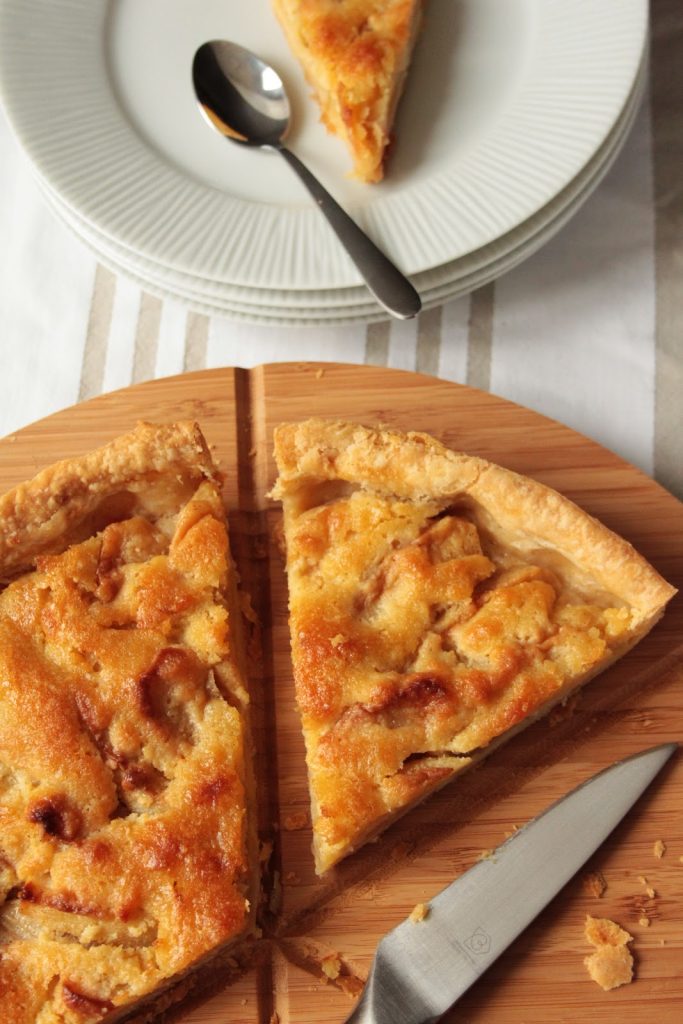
{"points": [[513, 113]]}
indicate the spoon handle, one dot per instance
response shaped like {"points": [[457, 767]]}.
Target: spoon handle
{"points": [[392, 290]]}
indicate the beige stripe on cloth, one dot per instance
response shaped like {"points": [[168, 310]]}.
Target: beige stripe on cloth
{"points": [[196, 341], [377, 344], [146, 338], [480, 337], [667, 130], [428, 341], [97, 336]]}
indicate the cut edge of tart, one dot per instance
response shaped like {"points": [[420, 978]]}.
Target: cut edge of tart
{"points": [[128, 853], [355, 55], [438, 605]]}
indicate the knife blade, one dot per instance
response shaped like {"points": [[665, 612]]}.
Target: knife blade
{"points": [[422, 968]]}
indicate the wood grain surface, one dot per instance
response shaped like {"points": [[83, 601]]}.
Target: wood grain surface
{"points": [[637, 703]]}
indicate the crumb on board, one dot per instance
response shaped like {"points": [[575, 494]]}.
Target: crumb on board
{"points": [[319, 373], [252, 451], [486, 855], [247, 609], [350, 985], [401, 850], [331, 966], [419, 912], [265, 851], [594, 884], [296, 821], [600, 931], [564, 710], [650, 892], [611, 965], [644, 922], [659, 849], [642, 879], [292, 877], [274, 1018]]}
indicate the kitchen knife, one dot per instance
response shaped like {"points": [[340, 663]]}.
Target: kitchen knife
{"points": [[422, 967]]}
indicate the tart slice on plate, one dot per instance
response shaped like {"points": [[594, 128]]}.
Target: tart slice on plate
{"points": [[438, 604], [126, 833], [355, 54]]}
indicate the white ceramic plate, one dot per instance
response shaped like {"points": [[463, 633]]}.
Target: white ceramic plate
{"points": [[310, 316], [435, 286], [506, 103]]}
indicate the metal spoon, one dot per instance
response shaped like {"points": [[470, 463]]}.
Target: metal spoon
{"points": [[245, 100]]}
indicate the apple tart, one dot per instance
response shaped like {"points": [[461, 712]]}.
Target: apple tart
{"points": [[438, 604], [126, 837], [355, 55]]}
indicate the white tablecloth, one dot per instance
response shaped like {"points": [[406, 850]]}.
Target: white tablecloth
{"points": [[587, 331]]}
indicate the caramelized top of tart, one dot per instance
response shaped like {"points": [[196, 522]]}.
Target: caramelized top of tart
{"points": [[122, 775], [437, 602], [355, 54]]}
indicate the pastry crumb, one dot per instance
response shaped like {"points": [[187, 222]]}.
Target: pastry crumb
{"points": [[419, 912], [650, 892], [274, 1018], [644, 922], [659, 849], [642, 879], [296, 821], [252, 451], [600, 931], [594, 884], [561, 712], [402, 849], [331, 966], [292, 877], [486, 855], [611, 965], [319, 373]]}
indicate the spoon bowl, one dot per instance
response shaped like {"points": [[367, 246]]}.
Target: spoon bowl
{"points": [[245, 100], [240, 95]]}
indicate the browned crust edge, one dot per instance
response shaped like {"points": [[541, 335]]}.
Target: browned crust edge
{"points": [[415, 466], [41, 514]]}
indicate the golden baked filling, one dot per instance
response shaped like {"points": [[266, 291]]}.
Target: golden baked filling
{"points": [[355, 54], [437, 604], [125, 844]]}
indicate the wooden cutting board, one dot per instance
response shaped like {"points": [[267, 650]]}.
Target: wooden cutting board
{"points": [[639, 702]]}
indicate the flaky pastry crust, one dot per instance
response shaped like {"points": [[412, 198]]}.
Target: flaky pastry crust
{"points": [[355, 54], [438, 603], [126, 846]]}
